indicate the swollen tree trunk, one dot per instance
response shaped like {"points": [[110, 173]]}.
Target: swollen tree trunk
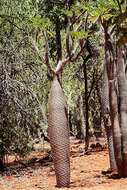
{"points": [[58, 120], [59, 134], [107, 121], [122, 84]]}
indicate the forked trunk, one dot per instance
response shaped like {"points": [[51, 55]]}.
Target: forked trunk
{"points": [[122, 84], [59, 134]]}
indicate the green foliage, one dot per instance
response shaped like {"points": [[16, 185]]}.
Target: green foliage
{"points": [[25, 80], [80, 34], [42, 23], [114, 13], [52, 9], [23, 96]]}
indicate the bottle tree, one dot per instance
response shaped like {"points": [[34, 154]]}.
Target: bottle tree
{"points": [[112, 17], [65, 40]]}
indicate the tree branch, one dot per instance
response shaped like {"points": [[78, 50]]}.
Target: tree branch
{"points": [[71, 58], [46, 59], [92, 85], [119, 5]]}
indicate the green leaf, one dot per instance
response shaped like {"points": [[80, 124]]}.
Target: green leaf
{"points": [[94, 18], [80, 34], [69, 13], [39, 22], [107, 16]]}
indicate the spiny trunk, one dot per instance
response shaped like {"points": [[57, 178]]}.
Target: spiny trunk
{"points": [[122, 84], [107, 121], [59, 134]]}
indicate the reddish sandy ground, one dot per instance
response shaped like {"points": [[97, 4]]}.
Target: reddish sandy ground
{"points": [[85, 173]]}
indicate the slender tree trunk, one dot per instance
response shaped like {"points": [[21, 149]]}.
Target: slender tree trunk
{"points": [[107, 121], [58, 39], [122, 85], [70, 122], [86, 108], [113, 98], [83, 126], [116, 127], [2, 157]]}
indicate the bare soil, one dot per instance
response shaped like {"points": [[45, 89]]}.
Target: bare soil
{"points": [[37, 172]]}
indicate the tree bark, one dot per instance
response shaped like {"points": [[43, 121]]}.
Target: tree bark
{"points": [[70, 122], [58, 39], [2, 157], [113, 98], [116, 127], [122, 85], [107, 121], [86, 107], [59, 134], [82, 117]]}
